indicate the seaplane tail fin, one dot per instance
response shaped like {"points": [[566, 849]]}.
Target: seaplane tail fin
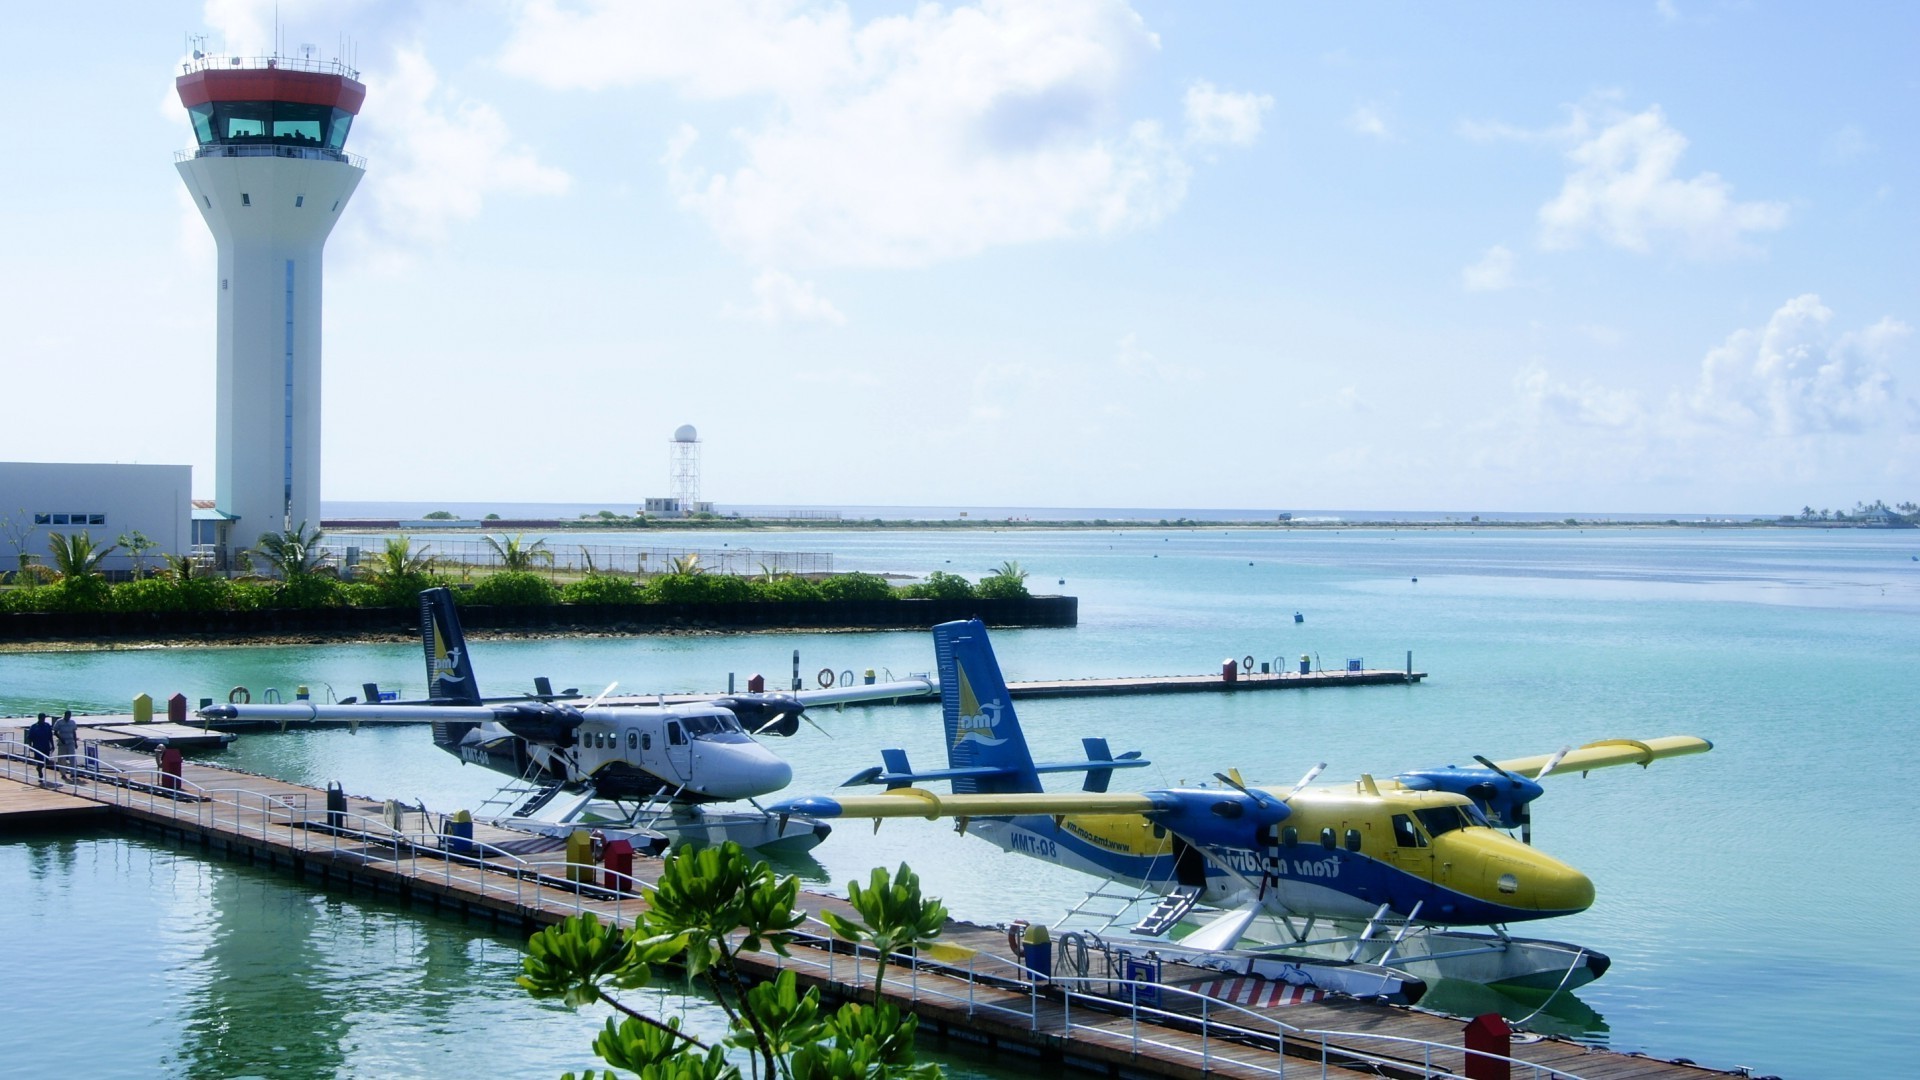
{"points": [[449, 672], [983, 734]]}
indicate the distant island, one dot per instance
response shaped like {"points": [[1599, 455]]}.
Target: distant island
{"points": [[1864, 515]]}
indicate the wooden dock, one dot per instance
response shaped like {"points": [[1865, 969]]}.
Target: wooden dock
{"points": [[966, 988]]}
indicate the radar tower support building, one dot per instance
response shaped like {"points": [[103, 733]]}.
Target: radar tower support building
{"points": [[270, 174]]}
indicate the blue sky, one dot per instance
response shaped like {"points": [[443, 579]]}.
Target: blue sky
{"points": [[1627, 257]]}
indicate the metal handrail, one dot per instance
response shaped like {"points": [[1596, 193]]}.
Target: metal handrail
{"points": [[270, 149], [221, 62]]}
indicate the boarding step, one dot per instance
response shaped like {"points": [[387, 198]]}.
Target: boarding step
{"points": [[1169, 911], [538, 799]]}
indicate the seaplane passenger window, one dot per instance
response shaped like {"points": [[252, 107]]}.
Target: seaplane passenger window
{"points": [[1404, 834], [1289, 837], [674, 735], [1326, 838], [633, 739], [646, 741], [1353, 839]]}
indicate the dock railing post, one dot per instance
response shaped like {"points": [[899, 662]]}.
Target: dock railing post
{"points": [[1206, 1029]]}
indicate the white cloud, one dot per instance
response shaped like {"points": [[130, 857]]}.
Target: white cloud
{"points": [[1794, 377], [1623, 191], [1667, 10], [1492, 273], [780, 298], [901, 140], [1790, 378], [1220, 116], [439, 154], [1366, 120], [1582, 404]]}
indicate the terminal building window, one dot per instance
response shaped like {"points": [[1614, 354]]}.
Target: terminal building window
{"points": [[69, 519]]}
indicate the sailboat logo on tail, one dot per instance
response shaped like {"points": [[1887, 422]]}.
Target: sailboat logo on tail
{"points": [[976, 721], [445, 664]]}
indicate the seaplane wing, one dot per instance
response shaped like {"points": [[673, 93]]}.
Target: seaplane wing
{"points": [[886, 691], [916, 802], [1605, 753], [315, 710]]}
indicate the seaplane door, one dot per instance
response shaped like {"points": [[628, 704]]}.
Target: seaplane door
{"points": [[1409, 851], [679, 753]]}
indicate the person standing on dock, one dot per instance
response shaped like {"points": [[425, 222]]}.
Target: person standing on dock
{"points": [[40, 738], [66, 735]]}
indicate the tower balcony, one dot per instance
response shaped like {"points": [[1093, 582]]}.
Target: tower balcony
{"points": [[268, 149]]}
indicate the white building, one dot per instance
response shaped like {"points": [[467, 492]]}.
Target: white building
{"points": [[104, 501], [270, 176]]}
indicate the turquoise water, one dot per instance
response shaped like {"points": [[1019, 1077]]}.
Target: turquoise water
{"points": [[149, 961], [1754, 899]]}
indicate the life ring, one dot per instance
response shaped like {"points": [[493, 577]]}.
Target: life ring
{"points": [[1016, 934], [825, 678], [238, 696], [1246, 664]]}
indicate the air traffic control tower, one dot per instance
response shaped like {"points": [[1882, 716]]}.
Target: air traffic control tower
{"points": [[270, 174]]}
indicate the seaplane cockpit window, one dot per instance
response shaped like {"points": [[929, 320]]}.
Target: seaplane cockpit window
{"points": [[674, 734], [715, 727], [1404, 834], [1445, 819]]}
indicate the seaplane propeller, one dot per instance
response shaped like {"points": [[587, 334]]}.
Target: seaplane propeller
{"points": [[1512, 808]]}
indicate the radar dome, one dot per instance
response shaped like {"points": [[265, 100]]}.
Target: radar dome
{"points": [[685, 433]]}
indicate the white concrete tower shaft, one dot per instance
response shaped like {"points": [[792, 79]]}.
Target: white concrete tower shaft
{"points": [[270, 176]]}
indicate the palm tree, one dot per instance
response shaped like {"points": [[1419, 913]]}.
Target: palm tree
{"points": [[399, 560], [1011, 569], [294, 553], [182, 568], [515, 554], [77, 557], [687, 564]]}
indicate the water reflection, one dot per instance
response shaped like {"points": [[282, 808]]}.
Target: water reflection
{"points": [[1562, 1014], [267, 993]]}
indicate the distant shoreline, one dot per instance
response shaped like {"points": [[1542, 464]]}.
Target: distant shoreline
{"points": [[748, 524]]}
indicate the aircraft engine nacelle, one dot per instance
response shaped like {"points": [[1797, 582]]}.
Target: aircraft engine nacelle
{"points": [[539, 722], [767, 714], [1210, 817], [1503, 798]]}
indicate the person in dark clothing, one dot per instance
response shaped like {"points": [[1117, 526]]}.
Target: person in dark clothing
{"points": [[40, 738]]}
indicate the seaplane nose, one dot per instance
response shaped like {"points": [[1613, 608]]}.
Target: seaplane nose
{"points": [[1540, 883], [745, 771]]}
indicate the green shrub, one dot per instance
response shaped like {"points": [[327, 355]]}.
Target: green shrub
{"points": [[394, 590], [941, 585], [514, 588], [1001, 587], [785, 589], [22, 599], [603, 589], [856, 587], [250, 595], [307, 591], [698, 589], [363, 594], [86, 593], [148, 594]]}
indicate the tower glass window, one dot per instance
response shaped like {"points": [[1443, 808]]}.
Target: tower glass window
{"points": [[283, 123]]}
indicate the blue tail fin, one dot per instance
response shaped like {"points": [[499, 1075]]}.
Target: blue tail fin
{"points": [[449, 673], [981, 727]]}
